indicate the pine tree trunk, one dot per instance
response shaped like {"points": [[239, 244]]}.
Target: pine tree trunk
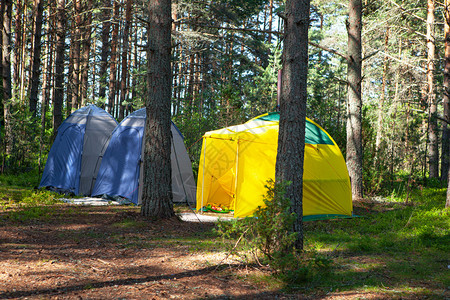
{"points": [[433, 135], [446, 97], [23, 53], [382, 97], [125, 50], [354, 110], [46, 78], [6, 78], [17, 46], [291, 136], [157, 192], [36, 63], [112, 66], [106, 28], [2, 12], [86, 50], [76, 49], [59, 65], [269, 38]]}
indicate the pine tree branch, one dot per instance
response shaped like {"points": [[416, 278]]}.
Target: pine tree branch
{"points": [[328, 50]]}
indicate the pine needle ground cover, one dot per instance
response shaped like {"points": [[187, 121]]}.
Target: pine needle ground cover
{"points": [[52, 250]]}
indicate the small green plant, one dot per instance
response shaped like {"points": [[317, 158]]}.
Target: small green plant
{"points": [[269, 232]]}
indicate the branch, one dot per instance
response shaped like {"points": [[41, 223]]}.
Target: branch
{"points": [[241, 29], [328, 50], [371, 54], [402, 61], [407, 12]]}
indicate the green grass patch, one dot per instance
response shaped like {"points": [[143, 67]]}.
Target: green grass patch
{"points": [[403, 247], [130, 223]]}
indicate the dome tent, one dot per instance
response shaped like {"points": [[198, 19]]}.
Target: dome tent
{"points": [[237, 161], [120, 172], [75, 155]]}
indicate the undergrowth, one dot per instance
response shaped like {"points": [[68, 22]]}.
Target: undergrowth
{"points": [[267, 238]]}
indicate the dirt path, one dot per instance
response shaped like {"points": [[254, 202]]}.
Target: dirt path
{"points": [[88, 252]]}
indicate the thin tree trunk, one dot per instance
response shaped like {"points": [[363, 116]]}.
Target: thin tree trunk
{"points": [[446, 96], [445, 135], [433, 137], [354, 118], [112, 66], [125, 50], [157, 192], [76, 45], [17, 45], [46, 77], [86, 43], [23, 53], [106, 28], [291, 136], [382, 97], [58, 98], [6, 78], [269, 38], [36, 63], [2, 12]]}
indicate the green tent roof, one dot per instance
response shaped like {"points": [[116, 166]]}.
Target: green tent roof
{"points": [[313, 134]]}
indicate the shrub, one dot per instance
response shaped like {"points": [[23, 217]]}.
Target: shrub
{"points": [[269, 232]]}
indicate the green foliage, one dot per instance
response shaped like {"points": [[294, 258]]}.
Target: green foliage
{"points": [[269, 232], [28, 179], [26, 205], [21, 136], [270, 228]]}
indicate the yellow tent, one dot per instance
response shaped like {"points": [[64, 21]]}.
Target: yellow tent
{"points": [[237, 161]]}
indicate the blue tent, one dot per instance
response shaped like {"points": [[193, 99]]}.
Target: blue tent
{"points": [[74, 159], [120, 172]]}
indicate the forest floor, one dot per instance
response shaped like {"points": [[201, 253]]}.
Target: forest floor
{"points": [[110, 252]]}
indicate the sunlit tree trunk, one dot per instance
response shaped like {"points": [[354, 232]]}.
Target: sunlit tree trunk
{"points": [[17, 45], [432, 105], [58, 98], [354, 109], [86, 50], [6, 77], [382, 97], [446, 96], [112, 65], [157, 192], [106, 30], [125, 50], [445, 135], [291, 136], [36, 63]]}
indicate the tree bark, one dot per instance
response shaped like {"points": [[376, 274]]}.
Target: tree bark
{"points": [[291, 136], [59, 65], [36, 63], [112, 66], [6, 78], [125, 50], [446, 97], [76, 49], [433, 135], [106, 28], [86, 50], [2, 12], [354, 109], [46, 79], [157, 192], [382, 97], [17, 45], [446, 134]]}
